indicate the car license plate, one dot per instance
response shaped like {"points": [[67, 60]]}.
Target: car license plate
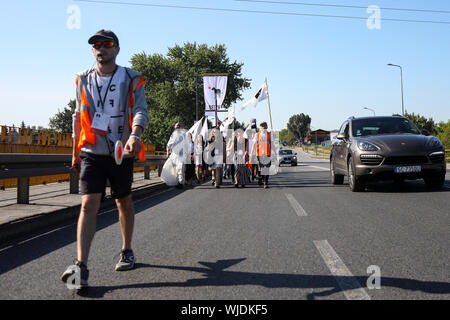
{"points": [[407, 169]]}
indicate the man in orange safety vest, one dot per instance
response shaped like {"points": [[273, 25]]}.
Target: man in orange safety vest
{"points": [[110, 107]]}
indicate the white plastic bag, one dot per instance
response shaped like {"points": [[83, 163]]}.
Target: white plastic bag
{"points": [[169, 172]]}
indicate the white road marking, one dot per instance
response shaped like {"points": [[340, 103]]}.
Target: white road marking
{"points": [[296, 206], [348, 283]]}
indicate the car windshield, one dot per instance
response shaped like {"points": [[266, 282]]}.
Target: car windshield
{"points": [[285, 152], [375, 126]]}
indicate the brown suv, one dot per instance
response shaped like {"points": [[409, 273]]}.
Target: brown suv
{"points": [[385, 148]]}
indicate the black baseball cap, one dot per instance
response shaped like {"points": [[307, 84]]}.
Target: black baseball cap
{"points": [[102, 34]]}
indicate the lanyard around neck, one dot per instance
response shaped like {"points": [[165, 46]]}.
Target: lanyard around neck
{"points": [[99, 90]]}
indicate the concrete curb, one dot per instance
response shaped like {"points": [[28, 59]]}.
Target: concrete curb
{"points": [[21, 227]]}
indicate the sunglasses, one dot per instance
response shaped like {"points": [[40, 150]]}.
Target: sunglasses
{"points": [[106, 44]]}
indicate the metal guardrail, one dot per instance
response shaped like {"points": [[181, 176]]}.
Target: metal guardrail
{"points": [[319, 151], [23, 166]]}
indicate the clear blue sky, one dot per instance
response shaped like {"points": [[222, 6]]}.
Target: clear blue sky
{"points": [[328, 68]]}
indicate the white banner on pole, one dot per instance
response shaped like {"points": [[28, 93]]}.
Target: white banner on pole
{"points": [[214, 87]]}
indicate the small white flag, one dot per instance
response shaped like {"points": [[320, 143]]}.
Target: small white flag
{"points": [[196, 128], [259, 96], [228, 120]]}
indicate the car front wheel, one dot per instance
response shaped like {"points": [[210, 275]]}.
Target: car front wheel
{"points": [[355, 183], [435, 181], [335, 178]]}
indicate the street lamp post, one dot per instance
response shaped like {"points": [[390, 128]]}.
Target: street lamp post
{"points": [[370, 110], [401, 80]]}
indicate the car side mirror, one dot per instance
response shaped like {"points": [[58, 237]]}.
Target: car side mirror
{"points": [[340, 136], [425, 132]]}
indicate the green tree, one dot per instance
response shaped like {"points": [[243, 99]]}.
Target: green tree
{"points": [[422, 123], [444, 133], [238, 125], [299, 125], [62, 120], [171, 85], [288, 136], [283, 135]]}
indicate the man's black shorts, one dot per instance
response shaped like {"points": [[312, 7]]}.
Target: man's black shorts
{"points": [[95, 169]]}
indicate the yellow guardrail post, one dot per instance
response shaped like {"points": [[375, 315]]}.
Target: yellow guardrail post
{"points": [[3, 134]]}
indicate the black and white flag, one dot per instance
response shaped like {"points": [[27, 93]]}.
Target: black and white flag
{"points": [[260, 95]]}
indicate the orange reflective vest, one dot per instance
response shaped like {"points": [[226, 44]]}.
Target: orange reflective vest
{"points": [[134, 85], [263, 147], [86, 135]]}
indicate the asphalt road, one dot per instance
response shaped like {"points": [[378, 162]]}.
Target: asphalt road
{"points": [[300, 239]]}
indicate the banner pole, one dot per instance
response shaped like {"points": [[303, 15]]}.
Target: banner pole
{"points": [[268, 101], [215, 111]]}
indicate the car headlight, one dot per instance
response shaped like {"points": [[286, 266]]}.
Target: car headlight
{"points": [[434, 143], [367, 146]]}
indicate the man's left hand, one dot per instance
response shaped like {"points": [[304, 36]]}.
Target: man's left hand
{"points": [[133, 146]]}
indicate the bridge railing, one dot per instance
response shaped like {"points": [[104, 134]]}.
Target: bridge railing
{"points": [[23, 166], [42, 141]]}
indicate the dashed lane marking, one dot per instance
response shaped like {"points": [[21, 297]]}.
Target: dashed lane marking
{"points": [[296, 206], [347, 282]]}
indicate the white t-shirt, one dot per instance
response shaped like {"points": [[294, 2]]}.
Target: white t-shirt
{"points": [[108, 101]]}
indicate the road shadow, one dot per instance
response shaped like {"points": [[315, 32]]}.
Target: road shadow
{"points": [[215, 274], [22, 250], [412, 186], [293, 179]]}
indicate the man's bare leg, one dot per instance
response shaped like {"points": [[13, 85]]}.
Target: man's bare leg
{"points": [[126, 218], [87, 224]]}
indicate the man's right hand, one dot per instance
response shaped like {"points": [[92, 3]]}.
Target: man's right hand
{"points": [[76, 163]]}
